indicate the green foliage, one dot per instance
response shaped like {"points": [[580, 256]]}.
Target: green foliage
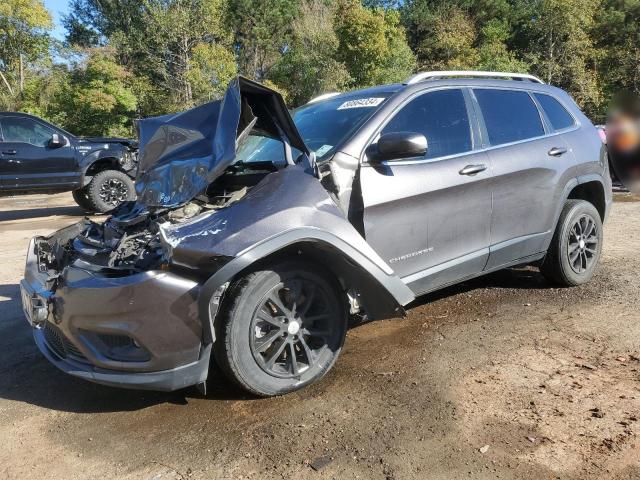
{"points": [[23, 34], [98, 98], [372, 44], [443, 36], [211, 68], [136, 58], [262, 30], [556, 42], [309, 66], [617, 35]]}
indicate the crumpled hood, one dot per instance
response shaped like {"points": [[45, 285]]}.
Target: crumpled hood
{"points": [[182, 153]]}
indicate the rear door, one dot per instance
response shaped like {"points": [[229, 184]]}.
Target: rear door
{"points": [[528, 161], [425, 216], [26, 159]]}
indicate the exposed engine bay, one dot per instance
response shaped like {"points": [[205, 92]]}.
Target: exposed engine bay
{"points": [[191, 163], [129, 240]]}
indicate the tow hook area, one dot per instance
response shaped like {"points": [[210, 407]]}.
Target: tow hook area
{"points": [[35, 305]]}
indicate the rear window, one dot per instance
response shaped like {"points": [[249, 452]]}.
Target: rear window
{"points": [[509, 115], [556, 113]]}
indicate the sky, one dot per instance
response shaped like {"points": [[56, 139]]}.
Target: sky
{"points": [[57, 9]]}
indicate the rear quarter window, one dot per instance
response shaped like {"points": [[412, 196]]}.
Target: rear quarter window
{"points": [[558, 116], [509, 115]]}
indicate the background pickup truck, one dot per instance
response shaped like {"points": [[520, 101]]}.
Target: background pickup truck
{"points": [[37, 156]]}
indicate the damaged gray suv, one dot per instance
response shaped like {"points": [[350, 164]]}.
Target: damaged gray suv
{"points": [[259, 233]]}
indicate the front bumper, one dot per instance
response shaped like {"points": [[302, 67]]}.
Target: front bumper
{"points": [[166, 380], [136, 331]]}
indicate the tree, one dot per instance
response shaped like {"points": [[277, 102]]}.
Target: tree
{"points": [[555, 38], [211, 68], [309, 66], [372, 44], [91, 23], [24, 40], [182, 29], [178, 50], [262, 31], [617, 35], [493, 52], [443, 36], [98, 98]]}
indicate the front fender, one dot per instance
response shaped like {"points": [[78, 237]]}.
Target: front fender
{"points": [[286, 208], [112, 151], [371, 266]]}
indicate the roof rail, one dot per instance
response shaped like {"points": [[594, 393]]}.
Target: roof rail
{"points": [[419, 77], [324, 96]]}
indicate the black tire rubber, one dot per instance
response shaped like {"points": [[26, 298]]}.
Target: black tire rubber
{"points": [[94, 202], [80, 196], [233, 328], [555, 266]]}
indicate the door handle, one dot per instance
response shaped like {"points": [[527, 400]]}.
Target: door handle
{"points": [[473, 169], [557, 151], [9, 152]]}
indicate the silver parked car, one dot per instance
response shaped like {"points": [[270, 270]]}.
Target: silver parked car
{"points": [[258, 232]]}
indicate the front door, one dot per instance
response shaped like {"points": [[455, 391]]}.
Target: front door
{"points": [[28, 162], [429, 217]]}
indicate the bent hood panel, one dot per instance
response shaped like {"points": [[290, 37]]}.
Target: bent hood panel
{"points": [[182, 153]]}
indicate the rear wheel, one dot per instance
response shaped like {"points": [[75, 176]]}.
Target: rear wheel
{"points": [[576, 245], [282, 328]]}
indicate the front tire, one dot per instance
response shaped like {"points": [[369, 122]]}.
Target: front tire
{"points": [[576, 246], [107, 190], [281, 328], [81, 198]]}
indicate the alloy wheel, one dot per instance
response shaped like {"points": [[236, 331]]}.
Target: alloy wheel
{"points": [[292, 327], [113, 191], [582, 245]]}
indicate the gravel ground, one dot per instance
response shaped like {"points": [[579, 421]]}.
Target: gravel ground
{"points": [[501, 377]]}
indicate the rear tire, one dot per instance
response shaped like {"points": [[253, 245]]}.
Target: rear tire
{"points": [[576, 246], [107, 190], [281, 328]]}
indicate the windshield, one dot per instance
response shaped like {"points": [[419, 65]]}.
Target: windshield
{"points": [[323, 126]]}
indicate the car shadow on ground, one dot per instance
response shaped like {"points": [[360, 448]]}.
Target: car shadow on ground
{"points": [[25, 375], [41, 212]]}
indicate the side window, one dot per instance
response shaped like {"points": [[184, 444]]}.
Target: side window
{"points": [[509, 115], [556, 113], [25, 130], [440, 116]]}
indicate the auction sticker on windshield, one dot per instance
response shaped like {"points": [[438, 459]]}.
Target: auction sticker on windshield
{"points": [[323, 149], [361, 103]]}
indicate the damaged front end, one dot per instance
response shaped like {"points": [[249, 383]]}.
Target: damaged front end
{"points": [[131, 301]]}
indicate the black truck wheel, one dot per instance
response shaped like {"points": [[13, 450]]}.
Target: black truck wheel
{"points": [[80, 197], [576, 245], [281, 328], [106, 191]]}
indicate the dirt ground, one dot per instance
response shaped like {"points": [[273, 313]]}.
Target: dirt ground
{"points": [[502, 377]]}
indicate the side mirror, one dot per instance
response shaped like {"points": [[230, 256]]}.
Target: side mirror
{"points": [[399, 145], [57, 141]]}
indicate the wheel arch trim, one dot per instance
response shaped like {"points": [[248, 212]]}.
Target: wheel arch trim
{"points": [[568, 188], [373, 267]]}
